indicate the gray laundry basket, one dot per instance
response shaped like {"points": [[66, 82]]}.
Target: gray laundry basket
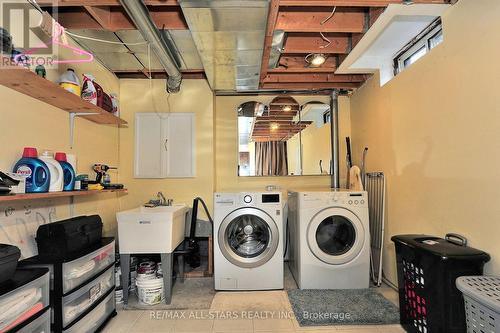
{"points": [[482, 303]]}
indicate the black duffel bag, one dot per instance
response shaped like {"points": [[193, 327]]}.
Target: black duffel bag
{"points": [[58, 239]]}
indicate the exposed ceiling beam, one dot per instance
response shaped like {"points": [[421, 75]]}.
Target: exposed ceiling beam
{"points": [[315, 77], [351, 3], [102, 15], [310, 86], [268, 39], [75, 3], [349, 20], [98, 17], [313, 43]]}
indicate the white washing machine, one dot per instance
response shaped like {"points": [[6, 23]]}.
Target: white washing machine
{"points": [[329, 239], [248, 241]]}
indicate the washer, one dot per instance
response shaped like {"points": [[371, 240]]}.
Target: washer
{"points": [[248, 248], [329, 239]]}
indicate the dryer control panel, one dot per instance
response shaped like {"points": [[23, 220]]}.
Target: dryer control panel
{"points": [[334, 198]]}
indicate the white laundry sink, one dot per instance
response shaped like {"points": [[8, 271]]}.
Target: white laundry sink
{"points": [[151, 230]]}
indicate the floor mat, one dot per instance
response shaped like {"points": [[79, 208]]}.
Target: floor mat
{"points": [[193, 294], [342, 307]]}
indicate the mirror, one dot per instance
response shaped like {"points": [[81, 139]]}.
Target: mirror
{"points": [[284, 138]]}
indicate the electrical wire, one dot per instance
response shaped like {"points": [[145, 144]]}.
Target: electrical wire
{"points": [[329, 42], [329, 16]]}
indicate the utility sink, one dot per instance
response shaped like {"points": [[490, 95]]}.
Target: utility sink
{"points": [[151, 230]]}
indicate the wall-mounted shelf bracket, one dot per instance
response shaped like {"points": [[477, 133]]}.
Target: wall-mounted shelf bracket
{"points": [[72, 117]]}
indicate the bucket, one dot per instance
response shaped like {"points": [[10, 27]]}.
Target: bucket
{"points": [[150, 291]]}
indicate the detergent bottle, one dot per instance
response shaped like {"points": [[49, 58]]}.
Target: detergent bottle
{"points": [[56, 171], [69, 175], [69, 81], [34, 170]]}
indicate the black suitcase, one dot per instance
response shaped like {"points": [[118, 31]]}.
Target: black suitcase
{"points": [[59, 239], [9, 255]]}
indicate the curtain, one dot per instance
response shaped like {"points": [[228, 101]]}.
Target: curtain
{"points": [[271, 158]]}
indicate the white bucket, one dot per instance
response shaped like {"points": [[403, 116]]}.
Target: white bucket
{"points": [[150, 291]]}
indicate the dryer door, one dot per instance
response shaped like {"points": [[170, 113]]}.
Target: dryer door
{"points": [[248, 237], [335, 236]]}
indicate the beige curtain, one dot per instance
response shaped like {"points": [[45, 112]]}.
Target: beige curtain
{"points": [[271, 158]]}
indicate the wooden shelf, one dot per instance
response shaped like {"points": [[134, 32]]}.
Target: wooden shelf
{"points": [[28, 83], [52, 195]]}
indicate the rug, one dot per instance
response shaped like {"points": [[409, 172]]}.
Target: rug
{"points": [[193, 294], [342, 307]]}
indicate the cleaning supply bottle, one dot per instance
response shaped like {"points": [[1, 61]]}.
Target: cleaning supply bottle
{"points": [[89, 91], [68, 172], [56, 171], [69, 81], [34, 170]]}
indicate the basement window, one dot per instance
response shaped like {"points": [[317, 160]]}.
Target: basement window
{"points": [[419, 46]]}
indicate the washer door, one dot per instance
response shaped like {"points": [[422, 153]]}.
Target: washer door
{"points": [[248, 237], [335, 236]]}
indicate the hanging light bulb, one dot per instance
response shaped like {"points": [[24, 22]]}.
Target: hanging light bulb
{"points": [[274, 126], [287, 108]]}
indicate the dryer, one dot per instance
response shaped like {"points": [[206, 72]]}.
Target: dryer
{"points": [[248, 241], [329, 239]]}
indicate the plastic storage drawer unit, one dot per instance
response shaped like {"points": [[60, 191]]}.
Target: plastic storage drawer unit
{"points": [[78, 283], [482, 303], [22, 297], [41, 324], [79, 301], [76, 272], [96, 318], [428, 266]]}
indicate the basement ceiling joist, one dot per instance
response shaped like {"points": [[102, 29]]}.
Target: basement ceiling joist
{"points": [[114, 18], [329, 27]]}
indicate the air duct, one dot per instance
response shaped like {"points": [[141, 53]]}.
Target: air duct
{"points": [[138, 12]]}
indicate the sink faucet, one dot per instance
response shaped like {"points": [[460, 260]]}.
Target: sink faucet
{"points": [[163, 201]]}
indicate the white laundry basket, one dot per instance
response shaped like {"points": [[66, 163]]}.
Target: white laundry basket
{"points": [[482, 303]]}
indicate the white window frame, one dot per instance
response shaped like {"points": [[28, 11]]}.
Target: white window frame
{"points": [[422, 40]]}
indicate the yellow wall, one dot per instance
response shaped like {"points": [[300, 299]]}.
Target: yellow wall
{"points": [[195, 96], [25, 121], [434, 130], [226, 146]]}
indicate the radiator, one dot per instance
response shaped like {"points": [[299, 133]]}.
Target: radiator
{"points": [[375, 186]]}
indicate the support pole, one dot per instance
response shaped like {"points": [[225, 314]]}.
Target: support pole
{"points": [[334, 137]]}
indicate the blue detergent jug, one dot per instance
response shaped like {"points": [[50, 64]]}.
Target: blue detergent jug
{"points": [[68, 172], [34, 170]]}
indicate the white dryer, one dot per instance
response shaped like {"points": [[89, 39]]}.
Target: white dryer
{"points": [[329, 239], [248, 241]]}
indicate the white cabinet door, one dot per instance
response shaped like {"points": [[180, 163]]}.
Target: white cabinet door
{"points": [[180, 145], [150, 146], [164, 146]]}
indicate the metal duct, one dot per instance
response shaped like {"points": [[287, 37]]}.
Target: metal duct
{"points": [[138, 12], [229, 36], [334, 135]]}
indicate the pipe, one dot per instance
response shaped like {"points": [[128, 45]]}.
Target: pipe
{"points": [[139, 13], [334, 137]]}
